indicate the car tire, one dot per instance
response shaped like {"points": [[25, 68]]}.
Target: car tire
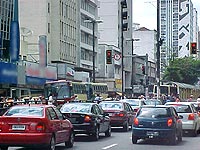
{"points": [[194, 133], [134, 139], [4, 147], [96, 134], [126, 127], [173, 139], [52, 144], [70, 142], [108, 132], [180, 135]]}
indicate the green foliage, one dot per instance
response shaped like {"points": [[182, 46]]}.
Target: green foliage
{"points": [[184, 70]]}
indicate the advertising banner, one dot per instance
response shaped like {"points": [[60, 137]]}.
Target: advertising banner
{"points": [[43, 50], [8, 73], [14, 41]]}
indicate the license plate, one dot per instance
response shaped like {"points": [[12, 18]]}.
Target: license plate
{"points": [[18, 127], [110, 114], [152, 133]]}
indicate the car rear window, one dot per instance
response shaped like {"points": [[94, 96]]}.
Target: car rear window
{"points": [[25, 111], [115, 106], [182, 108], [76, 107], [154, 112]]}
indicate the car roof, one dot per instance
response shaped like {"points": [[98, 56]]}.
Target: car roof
{"points": [[184, 103], [155, 106]]}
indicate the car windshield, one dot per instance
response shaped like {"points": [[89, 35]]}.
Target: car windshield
{"points": [[154, 112], [76, 107], [111, 106], [25, 111], [182, 108]]}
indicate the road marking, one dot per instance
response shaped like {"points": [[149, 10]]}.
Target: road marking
{"points": [[107, 147]]}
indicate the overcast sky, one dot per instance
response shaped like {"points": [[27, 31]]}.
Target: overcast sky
{"points": [[144, 12]]}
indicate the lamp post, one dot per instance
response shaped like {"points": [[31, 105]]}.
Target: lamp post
{"points": [[94, 22]]}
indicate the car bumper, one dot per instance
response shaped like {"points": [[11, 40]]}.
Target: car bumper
{"points": [[152, 133], [85, 128], [188, 125], [30, 139]]}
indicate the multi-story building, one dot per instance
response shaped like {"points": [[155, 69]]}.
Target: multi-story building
{"points": [[110, 34], [178, 24], [56, 22], [88, 34]]}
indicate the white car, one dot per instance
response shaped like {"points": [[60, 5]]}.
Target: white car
{"points": [[135, 103], [191, 118]]}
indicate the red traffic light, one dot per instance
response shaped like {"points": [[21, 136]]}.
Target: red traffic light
{"points": [[193, 48], [109, 56]]}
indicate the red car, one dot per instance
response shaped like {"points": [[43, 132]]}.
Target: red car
{"points": [[35, 126], [121, 114]]}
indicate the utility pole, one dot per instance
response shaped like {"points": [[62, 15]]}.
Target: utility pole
{"points": [[158, 49]]}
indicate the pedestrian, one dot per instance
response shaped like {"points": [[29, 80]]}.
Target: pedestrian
{"points": [[190, 99]]}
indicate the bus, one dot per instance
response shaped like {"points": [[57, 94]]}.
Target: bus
{"points": [[182, 90], [63, 91]]}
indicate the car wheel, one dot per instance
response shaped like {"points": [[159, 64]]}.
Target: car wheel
{"points": [[173, 139], [52, 144], [108, 132], [126, 127], [134, 139], [96, 134], [180, 136], [4, 147], [70, 142], [194, 133]]}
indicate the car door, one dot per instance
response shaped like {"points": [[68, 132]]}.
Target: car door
{"points": [[131, 114], [55, 124], [105, 119], [65, 128], [197, 118], [99, 117]]}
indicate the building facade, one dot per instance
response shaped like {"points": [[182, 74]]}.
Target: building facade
{"points": [[178, 28], [110, 34]]}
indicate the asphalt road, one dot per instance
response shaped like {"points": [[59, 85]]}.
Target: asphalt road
{"points": [[122, 141]]}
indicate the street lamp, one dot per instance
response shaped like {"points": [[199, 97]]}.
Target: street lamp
{"points": [[132, 47], [93, 45]]}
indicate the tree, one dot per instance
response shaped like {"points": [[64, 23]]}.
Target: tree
{"points": [[184, 70]]}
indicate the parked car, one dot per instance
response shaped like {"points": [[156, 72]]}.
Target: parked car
{"points": [[191, 119], [87, 118], [135, 103], [157, 122], [121, 114], [35, 126], [153, 102]]}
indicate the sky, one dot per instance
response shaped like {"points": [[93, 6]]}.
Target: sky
{"points": [[145, 12]]}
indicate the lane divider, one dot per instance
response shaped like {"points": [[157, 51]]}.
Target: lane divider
{"points": [[110, 146]]}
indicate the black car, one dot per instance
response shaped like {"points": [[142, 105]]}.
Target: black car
{"points": [[87, 118], [157, 122]]}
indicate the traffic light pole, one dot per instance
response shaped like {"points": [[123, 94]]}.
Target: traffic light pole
{"points": [[122, 44]]}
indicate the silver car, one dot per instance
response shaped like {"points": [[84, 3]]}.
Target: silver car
{"points": [[191, 119]]}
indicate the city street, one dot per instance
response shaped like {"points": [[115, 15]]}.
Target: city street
{"points": [[122, 141]]}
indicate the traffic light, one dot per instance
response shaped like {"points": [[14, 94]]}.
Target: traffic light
{"points": [[143, 69], [193, 48], [109, 56], [124, 15]]}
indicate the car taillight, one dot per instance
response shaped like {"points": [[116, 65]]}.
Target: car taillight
{"points": [[136, 121], [191, 117], [87, 119], [169, 122], [40, 127], [120, 115]]}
